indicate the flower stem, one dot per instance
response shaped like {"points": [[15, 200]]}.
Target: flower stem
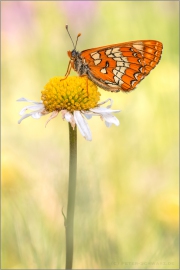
{"points": [[71, 195]]}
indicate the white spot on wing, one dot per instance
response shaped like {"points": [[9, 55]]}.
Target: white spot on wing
{"points": [[123, 69], [116, 79], [106, 81], [110, 55], [118, 54], [112, 85], [108, 51], [118, 68], [96, 62], [103, 70], [120, 82], [119, 64], [117, 74], [133, 82], [115, 71], [114, 50], [95, 55], [124, 59], [117, 58], [122, 62], [136, 75], [139, 46]]}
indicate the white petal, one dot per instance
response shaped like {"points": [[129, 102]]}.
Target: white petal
{"points": [[108, 124], [23, 117], [100, 110], [82, 125], [36, 115], [53, 115], [63, 112], [32, 107], [70, 118], [88, 116], [110, 118], [28, 100]]}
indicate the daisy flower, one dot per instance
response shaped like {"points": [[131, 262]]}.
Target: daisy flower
{"points": [[75, 100]]}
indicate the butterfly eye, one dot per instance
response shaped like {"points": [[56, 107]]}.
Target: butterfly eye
{"points": [[73, 54]]}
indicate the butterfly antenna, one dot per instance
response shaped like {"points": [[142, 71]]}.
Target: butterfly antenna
{"points": [[69, 35], [77, 40]]}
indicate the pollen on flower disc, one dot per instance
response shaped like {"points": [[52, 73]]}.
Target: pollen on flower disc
{"points": [[72, 94]]}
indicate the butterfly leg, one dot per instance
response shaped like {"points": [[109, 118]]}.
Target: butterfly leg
{"points": [[68, 71], [86, 82]]}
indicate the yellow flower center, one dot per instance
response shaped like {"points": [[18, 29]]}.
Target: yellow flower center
{"points": [[72, 94]]}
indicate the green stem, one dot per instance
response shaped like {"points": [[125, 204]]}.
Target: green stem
{"points": [[71, 195]]}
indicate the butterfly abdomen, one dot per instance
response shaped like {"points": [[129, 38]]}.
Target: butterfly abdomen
{"points": [[79, 65]]}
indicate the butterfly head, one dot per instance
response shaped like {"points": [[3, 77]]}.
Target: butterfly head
{"points": [[72, 54]]}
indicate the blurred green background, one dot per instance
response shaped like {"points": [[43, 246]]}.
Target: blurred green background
{"points": [[127, 186]]}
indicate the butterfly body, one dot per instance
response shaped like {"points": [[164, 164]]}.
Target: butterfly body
{"points": [[77, 63], [117, 67]]}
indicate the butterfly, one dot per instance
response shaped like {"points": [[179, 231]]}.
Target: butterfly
{"points": [[117, 67]]}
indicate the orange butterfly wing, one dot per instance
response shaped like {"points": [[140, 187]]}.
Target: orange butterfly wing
{"points": [[122, 66]]}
